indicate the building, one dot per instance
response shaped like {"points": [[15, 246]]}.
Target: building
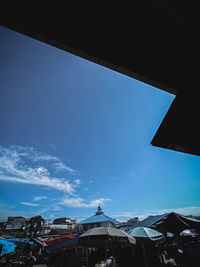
{"points": [[64, 221], [97, 220], [128, 224], [24, 227], [15, 223], [62, 226], [2, 227], [46, 228]]}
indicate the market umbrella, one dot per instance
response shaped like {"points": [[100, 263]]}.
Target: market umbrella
{"points": [[144, 236], [106, 236]]}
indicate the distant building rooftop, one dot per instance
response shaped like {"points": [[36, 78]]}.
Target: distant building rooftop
{"points": [[15, 223], [64, 220], [147, 222], [98, 217]]}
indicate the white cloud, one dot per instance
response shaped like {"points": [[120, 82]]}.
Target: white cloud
{"points": [[25, 165], [38, 198], [43, 157], [59, 166], [29, 204], [77, 182], [73, 202], [80, 202]]}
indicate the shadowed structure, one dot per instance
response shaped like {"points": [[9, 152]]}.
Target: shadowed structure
{"points": [[153, 41]]}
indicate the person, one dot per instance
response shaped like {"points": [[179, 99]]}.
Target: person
{"points": [[167, 260], [96, 256], [110, 262]]}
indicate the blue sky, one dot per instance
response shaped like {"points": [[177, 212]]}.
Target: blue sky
{"points": [[75, 134]]}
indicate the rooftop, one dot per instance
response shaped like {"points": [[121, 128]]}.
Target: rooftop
{"points": [[98, 217]]}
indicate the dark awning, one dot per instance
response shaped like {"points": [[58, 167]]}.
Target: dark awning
{"points": [[62, 242], [170, 222]]}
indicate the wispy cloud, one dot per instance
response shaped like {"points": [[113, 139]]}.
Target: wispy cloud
{"points": [[25, 165], [59, 166], [77, 182], [38, 198], [81, 203], [29, 204]]}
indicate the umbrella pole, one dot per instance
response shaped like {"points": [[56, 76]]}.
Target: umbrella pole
{"points": [[106, 252], [145, 258]]}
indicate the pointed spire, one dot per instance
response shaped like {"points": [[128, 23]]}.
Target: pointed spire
{"points": [[99, 210]]}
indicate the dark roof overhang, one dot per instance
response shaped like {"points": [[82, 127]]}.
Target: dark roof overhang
{"points": [[153, 41]]}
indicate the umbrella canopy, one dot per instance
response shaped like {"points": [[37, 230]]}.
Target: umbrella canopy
{"points": [[106, 236], [146, 235]]}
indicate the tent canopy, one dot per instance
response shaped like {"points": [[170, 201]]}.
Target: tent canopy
{"points": [[20, 242], [170, 222], [6, 246]]}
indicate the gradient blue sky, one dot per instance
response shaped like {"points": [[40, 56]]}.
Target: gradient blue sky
{"points": [[75, 134]]}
